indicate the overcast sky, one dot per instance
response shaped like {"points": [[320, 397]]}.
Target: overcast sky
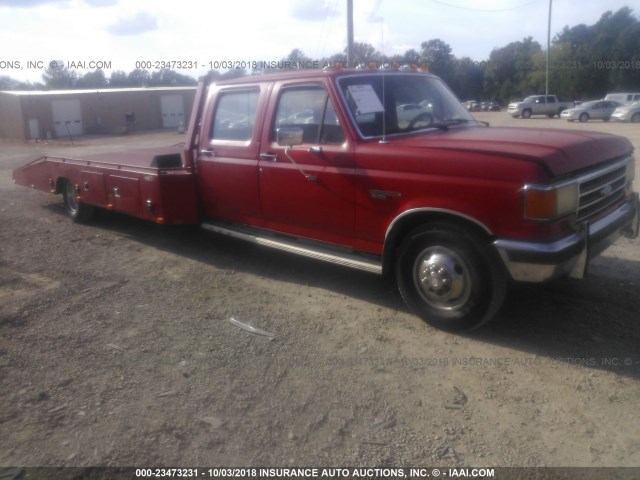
{"points": [[122, 32]]}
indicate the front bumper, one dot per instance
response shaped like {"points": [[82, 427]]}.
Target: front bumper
{"points": [[539, 262]]}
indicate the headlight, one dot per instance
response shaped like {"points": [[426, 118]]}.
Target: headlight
{"points": [[550, 202], [631, 170], [630, 174]]}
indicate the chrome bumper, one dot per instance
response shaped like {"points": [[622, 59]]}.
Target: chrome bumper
{"points": [[538, 262]]}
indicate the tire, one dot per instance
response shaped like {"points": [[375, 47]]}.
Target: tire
{"points": [[636, 118], [449, 278], [79, 212], [526, 113], [584, 117]]}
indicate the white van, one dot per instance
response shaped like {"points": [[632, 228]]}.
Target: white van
{"points": [[624, 98]]}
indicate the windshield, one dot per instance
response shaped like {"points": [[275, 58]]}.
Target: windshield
{"points": [[587, 105], [408, 103]]}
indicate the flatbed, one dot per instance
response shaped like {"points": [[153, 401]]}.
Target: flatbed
{"points": [[152, 184]]}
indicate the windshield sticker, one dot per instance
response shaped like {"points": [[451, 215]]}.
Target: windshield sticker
{"points": [[366, 99]]}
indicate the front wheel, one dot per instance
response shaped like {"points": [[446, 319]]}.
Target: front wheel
{"points": [[449, 278], [78, 211]]}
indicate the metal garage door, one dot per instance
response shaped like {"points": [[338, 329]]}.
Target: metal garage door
{"points": [[67, 117], [172, 109]]}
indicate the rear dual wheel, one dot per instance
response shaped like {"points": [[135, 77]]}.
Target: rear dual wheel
{"points": [[449, 278], [78, 211]]}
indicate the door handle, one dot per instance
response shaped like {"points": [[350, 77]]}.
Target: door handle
{"points": [[269, 157], [208, 153]]}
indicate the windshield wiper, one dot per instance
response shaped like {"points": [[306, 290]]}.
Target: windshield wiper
{"points": [[444, 125]]}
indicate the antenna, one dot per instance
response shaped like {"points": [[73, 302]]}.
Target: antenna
{"points": [[384, 74], [350, 58]]}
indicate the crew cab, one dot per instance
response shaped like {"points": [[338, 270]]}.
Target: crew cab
{"points": [[548, 105], [379, 170]]}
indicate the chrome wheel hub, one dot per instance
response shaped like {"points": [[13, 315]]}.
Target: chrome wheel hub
{"points": [[442, 278]]}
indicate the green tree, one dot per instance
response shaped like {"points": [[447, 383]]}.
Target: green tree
{"points": [[437, 57], [139, 78], [166, 77], [8, 83], [58, 76], [364, 54], [95, 79], [589, 61], [118, 78], [509, 71], [469, 79], [295, 60]]}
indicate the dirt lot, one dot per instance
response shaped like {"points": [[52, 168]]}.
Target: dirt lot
{"points": [[116, 349]]}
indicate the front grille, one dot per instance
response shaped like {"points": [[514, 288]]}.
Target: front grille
{"points": [[601, 189]]}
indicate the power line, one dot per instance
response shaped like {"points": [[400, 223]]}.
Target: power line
{"points": [[483, 9]]}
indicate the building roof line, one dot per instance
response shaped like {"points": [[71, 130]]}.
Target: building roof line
{"points": [[99, 90]]}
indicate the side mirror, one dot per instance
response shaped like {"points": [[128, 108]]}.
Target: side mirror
{"points": [[289, 136]]}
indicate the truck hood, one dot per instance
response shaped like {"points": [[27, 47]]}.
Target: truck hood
{"points": [[560, 152]]}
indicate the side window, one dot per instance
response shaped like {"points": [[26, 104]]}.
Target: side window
{"points": [[331, 129], [310, 109], [235, 115]]}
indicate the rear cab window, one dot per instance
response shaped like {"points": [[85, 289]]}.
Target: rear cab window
{"points": [[234, 117]]}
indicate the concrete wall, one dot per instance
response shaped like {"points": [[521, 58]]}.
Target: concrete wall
{"points": [[103, 111], [11, 121]]}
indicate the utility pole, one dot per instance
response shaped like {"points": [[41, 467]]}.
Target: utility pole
{"points": [[350, 58], [546, 91]]}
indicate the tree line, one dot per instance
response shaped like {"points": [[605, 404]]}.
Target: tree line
{"points": [[585, 62]]}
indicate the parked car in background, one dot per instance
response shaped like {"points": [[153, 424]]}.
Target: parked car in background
{"points": [[623, 98], [490, 107], [627, 113], [409, 111], [548, 105], [472, 105], [594, 110]]}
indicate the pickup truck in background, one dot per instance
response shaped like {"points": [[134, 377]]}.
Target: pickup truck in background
{"points": [[383, 171], [548, 105]]}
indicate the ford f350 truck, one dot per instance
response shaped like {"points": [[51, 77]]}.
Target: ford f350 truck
{"points": [[383, 171]]}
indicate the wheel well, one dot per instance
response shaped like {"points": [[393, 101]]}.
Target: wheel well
{"points": [[60, 184], [408, 223]]}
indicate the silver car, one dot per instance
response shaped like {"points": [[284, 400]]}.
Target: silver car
{"points": [[595, 110], [627, 113]]}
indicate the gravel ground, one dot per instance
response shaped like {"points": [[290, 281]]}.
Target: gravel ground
{"points": [[116, 349]]}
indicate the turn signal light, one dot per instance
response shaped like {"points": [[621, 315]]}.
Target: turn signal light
{"points": [[546, 202]]}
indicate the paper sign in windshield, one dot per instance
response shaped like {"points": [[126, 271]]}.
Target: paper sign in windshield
{"points": [[366, 99]]}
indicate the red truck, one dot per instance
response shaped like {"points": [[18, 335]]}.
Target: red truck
{"points": [[379, 170]]}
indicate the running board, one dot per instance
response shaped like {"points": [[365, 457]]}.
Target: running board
{"points": [[319, 252]]}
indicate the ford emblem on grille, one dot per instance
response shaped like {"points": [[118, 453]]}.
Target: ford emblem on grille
{"points": [[606, 191]]}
